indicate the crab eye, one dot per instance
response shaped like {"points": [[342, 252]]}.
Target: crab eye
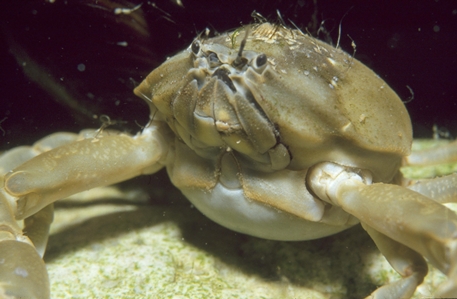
{"points": [[195, 47], [261, 60]]}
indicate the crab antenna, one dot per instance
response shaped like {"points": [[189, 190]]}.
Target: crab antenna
{"points": [[239, 59]]}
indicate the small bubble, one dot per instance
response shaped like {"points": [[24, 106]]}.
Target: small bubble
{"points": [[394, 41], [81, 67]]}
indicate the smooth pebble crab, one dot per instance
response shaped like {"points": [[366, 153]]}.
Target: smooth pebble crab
{"points": [[268, 132]]}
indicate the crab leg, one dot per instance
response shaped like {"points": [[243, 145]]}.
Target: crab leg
{"points": [[82, 165], [411, 266], [36, 228], [22, 271], [28, 191], [393, 214], [442, 189], [436, 155]]}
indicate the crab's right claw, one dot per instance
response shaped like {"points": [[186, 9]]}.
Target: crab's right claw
{"points": [[405, 225]]}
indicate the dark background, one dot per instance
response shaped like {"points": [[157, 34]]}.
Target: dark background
{"points": [[408, 43]]}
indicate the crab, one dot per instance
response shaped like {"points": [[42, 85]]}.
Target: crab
{"points": [[268, 132]]}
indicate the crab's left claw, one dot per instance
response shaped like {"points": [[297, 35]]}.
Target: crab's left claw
{"points": [[22, 271], [404, 224], [31, 180]]}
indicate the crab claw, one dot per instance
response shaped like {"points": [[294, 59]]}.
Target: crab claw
{"points": [[405, 225], [22, 271]]}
